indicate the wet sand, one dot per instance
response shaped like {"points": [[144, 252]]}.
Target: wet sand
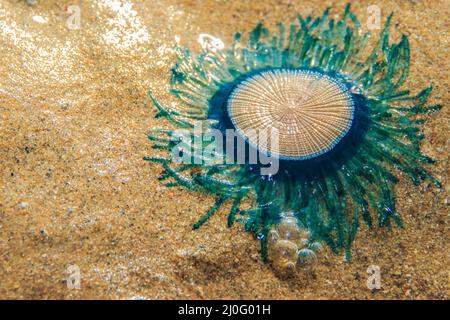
{"points": [[74, 189]]}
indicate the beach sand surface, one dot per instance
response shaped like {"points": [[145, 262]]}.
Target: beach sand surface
{"points": [[75, 193]]}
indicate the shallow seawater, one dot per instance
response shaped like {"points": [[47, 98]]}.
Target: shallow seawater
{"points": [[74, 190]]}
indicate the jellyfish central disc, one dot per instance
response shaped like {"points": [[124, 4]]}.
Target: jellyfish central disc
{"points": [[310, 111]]}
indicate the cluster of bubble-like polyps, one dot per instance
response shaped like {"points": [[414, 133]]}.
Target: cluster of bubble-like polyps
{"points": [[290, 246]]}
